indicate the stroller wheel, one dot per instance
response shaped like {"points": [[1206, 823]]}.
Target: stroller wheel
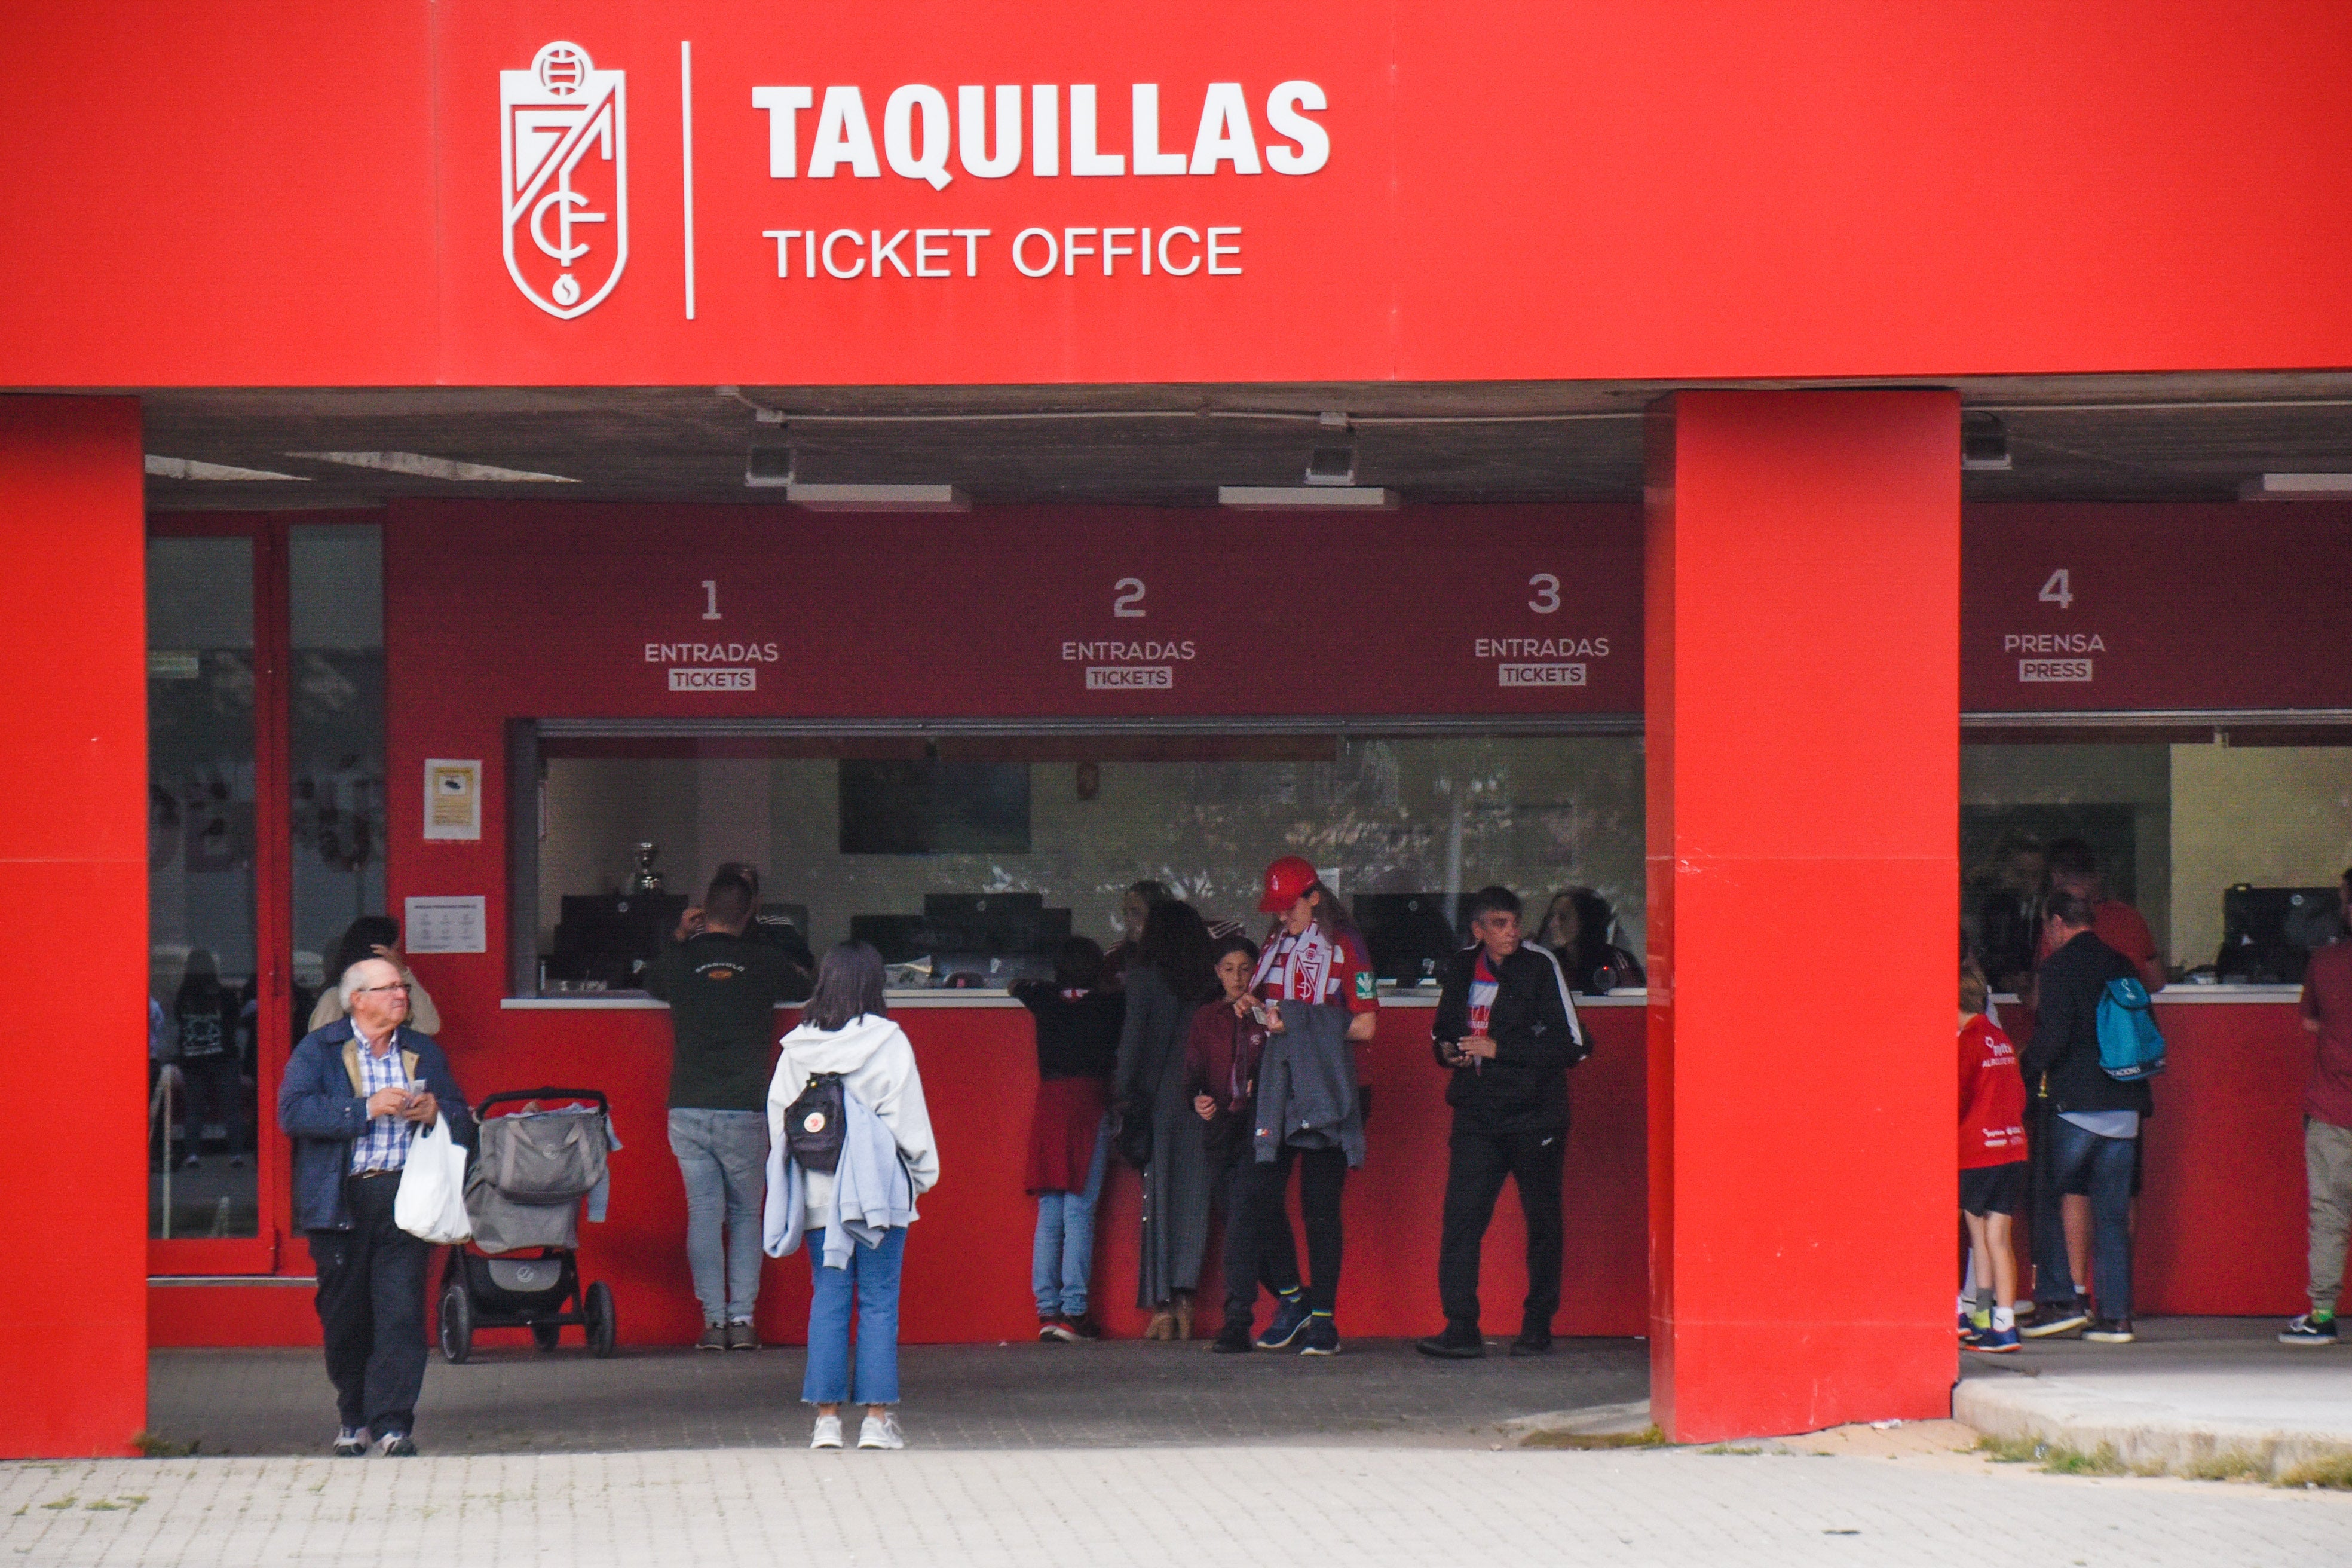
{"points": [[601, 1324], [456, 1323]]}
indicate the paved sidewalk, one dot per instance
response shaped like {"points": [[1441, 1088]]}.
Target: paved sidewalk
{"points": [[1196, 1507], [2193, 1392], [1124, 1393]]}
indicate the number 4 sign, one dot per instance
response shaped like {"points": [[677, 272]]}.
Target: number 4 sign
{"points": [[2058, 591]]}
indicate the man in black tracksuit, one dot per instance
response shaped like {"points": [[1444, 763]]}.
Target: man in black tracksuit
{"points": [[1508, 1032]]}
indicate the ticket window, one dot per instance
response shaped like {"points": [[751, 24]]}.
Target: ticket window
{"points": [[2230, 851], [965, 862]]}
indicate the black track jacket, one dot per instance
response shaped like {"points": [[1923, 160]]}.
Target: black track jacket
{"points": [[1536, 1040]]}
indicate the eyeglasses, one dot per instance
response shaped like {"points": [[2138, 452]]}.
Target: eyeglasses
{"points": [[401, 987]]}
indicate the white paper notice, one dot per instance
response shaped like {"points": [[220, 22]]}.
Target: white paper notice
{"points": [[452, 798], [446, 925]]}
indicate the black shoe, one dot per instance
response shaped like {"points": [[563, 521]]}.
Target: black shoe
{"points": [[396, 1446], [1084, 1326], [1460, 1341], [1234, 1339], [351, 1443], [1322, 1338], [2109, 1332], [1534, 1342], [2303, 1332], [2053, 1318]]}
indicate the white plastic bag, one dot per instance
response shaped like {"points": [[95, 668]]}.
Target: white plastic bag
{"points": [[430, 1205]]}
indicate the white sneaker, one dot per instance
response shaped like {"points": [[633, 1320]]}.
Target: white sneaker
{"points": [[881, 1432], [827, 1434]]}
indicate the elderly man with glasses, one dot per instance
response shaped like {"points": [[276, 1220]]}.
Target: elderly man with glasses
{"points": [[354, 1093]]}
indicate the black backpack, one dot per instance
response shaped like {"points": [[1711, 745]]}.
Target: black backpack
{"points": [[816, 1124]]}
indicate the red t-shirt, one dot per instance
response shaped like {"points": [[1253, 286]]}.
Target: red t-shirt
{"points": [[2327, 996], [2118, 925], [1992, 1097]]}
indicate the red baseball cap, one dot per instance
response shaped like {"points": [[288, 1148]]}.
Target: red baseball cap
{"points": [[1286, 880]]}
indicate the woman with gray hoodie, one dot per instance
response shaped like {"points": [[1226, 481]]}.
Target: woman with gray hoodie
{"points": [[854, 1216]]}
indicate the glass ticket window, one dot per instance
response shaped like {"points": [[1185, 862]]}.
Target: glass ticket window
{"points": [[2231, 852], [335, 746], [966, 861], [202, 971]]}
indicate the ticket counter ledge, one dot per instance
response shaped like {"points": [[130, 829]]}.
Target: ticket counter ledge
{"points": [[623, 1001]]}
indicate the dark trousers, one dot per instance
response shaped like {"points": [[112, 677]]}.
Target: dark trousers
{"points": [[1476, 1164], [1322, 1176], [2053, 1276], [2076, 1157], [1235, 1188], [371, 1307]]}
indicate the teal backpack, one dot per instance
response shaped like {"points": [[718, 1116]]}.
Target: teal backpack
{"points": [[2129, 1046]]}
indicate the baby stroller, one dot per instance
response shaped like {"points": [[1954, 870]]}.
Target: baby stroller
{"points": [[523, 1193]]}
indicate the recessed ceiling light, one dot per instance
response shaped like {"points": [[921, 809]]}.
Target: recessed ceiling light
{"points": [[877, 498], [416, 464], [1277, 498], [189, 468], [2296, 487]]}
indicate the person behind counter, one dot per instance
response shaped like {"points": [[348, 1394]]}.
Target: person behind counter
{"points": [[1321, 999], [374, 936], [1077, 1026], [1173, 975], [854, 1216], [1576, 927], [722, 990], [1134, 906]]}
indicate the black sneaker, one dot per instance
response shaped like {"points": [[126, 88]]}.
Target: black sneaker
{"points": [[1084, 1326], [1460, 1341], [1534, 1342], [2304, 1331], [1322, 1336], [2053, 1318], [2109, 1332], [1289, 1317], [396, 1446], [351, 1443], [1234, 1339]]}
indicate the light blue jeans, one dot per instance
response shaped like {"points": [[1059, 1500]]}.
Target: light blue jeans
{"points": [[870, 1284], [723, 1156], [1063, 1256]]}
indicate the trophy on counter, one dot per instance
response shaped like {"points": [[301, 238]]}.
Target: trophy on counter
{"points": [[646, 880]]}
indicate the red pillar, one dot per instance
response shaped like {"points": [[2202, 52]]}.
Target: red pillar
{"points": [[73, 928], [1802, 638]]}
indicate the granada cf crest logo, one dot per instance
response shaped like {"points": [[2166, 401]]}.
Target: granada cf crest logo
{"points": [[564, 136]]}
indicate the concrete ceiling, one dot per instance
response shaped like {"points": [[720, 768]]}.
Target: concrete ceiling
{"points": [[2071, 439]]}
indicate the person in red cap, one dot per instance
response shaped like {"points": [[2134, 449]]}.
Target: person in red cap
{"points": [[1313, 958]]}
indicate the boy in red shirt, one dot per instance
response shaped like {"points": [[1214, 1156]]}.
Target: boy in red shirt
{"points": [[1992, 1157]]}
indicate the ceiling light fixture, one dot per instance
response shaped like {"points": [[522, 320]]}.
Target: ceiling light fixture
{"points": [[1284, 498], [417, 465], [2296, 487], [189, 468], [877, 497]]}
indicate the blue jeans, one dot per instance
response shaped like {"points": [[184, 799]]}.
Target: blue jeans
{"points": [[871, 1283], [723, 1156], [1063, 1256], [2075, 1153]]}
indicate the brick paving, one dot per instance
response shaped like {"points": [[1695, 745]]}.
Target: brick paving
{"points": [[1108, 1508], [1128, 1394]]}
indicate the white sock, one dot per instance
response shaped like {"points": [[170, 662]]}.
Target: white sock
{"points": [[2003, 1320]]}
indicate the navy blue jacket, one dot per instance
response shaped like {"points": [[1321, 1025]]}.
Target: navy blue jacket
{"points": [[321, 1108]]}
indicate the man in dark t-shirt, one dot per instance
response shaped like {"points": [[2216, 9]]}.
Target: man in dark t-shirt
{"points": [[723, 990]]}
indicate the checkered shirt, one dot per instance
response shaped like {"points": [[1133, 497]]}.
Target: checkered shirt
{"points": [[384, 1145]]}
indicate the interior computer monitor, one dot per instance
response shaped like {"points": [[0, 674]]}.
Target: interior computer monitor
{"points": [[2268, 933]]}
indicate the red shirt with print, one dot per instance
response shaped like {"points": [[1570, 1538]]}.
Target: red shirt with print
{"points": [[1992, 1097], [1351, 983]]}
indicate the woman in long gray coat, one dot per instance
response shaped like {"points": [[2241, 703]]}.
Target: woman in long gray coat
{"points": [[1171, 975]]}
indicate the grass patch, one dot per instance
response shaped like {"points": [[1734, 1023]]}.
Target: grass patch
{"points": [[2010, 1450], [1743, 1451], [66, 1501], [2236, 1465], [2064, 1461], [2335, 1472], [1647, 1437], [154, 1445]]}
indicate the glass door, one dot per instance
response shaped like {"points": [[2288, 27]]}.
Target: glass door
{"points": [[216, 971]]}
